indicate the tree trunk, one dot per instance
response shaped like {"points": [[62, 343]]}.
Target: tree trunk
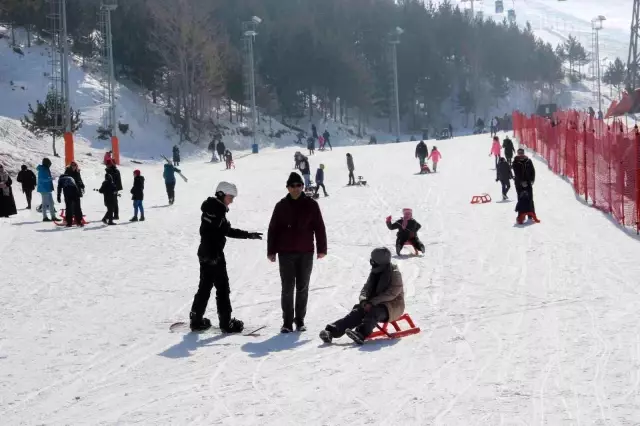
{"points": [[154, 96], [28, 35], [55, 153], [310, 105], [230, 111]]}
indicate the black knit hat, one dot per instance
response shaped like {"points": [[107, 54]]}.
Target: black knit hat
{"points": [[294, 178]]}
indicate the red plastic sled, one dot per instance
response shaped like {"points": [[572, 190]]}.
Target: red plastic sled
{"points": [[408, 243], [383, 333], [63, 223], [481, 199]]}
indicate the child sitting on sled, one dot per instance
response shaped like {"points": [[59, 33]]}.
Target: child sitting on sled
{"points": [[425, 169], [408, 229], [381, 300]]}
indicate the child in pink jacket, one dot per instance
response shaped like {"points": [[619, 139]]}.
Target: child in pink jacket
{"points": [[495, 150], [435, 156]]}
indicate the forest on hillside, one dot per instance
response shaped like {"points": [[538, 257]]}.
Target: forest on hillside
{"points": [[310, 55]]}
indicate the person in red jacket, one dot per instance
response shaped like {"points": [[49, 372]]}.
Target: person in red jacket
{"points": [[295, 220]]}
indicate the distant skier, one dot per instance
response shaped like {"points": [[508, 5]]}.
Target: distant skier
{"points": [[435, 156], [320, 181], [408, 229], [373, 140], [45, 188], [494, 126], [305, 171], [327, 139], [495, 150], [214, 230], [321, 142], [524, 175], [228, 159], [509, 149], [381, 300], [7, 202], [450, 131], [110, 193], [311, 146], [72, 193], [117, 181], [169, 175], [137, 195], [176, 156], [351, 167], [220, 148], [421, 153], [28, 180], [504, 176]]}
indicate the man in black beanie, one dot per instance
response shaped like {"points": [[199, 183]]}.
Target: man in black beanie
{"points": [[295, 221]]}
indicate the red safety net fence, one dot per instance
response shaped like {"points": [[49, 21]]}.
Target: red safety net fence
{"points": [[601, 160]]}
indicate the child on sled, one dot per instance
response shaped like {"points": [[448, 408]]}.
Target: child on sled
{"points": [[408, 229]]}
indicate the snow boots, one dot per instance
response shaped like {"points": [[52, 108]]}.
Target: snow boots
{"points": [[233, 326], [532, 216], [326, 336], [355, 335], [198, 323]]}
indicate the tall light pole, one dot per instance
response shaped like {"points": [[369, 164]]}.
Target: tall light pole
{"points": [[395, 41], [64, 47], [596, 24], [249, 32]]}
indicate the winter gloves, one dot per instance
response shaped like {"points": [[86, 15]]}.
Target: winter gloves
{"points": [[388, 219]]}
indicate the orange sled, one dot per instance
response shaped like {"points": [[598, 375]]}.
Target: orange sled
{"points": [[481, 199], [383, 333]]}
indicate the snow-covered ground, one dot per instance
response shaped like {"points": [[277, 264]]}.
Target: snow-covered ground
{"points": [[520, 325]]}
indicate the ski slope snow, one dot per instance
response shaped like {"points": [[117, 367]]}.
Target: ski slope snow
{"points": [[520, 325]]}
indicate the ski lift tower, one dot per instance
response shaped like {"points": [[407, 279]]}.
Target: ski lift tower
{"points": [[108, 73], [596, 26], [633, 61], [249, 34]]}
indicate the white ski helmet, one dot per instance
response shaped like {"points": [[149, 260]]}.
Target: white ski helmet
{"points": [[227, 188]]}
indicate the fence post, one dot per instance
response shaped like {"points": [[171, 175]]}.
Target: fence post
{"points": [[610, 153], [584, 162], [637, 183]]}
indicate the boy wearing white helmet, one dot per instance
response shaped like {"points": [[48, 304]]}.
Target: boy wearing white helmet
{"points": [[214, 230]]}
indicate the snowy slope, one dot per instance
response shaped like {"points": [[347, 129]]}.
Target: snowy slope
{"points": [[530, 325]]}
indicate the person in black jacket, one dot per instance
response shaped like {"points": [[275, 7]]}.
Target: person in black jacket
{"points": [[137, 195], [509, 149], [71, 190], [504, 176], [327, 139], [110, 193], [28, 180], [221, 148], [214, 230], [524, 175], [117, 181], [422, 152], [408, 229]]}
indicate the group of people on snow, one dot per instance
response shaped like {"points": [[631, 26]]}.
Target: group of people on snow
{"points": [[422, 154], [323, 139]]}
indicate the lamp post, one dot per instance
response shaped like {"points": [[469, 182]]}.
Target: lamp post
{"points": [[395, 41], [596, 25], [250, 33]]}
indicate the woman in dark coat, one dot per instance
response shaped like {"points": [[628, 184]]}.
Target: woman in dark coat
{"points": [[7, 203]]}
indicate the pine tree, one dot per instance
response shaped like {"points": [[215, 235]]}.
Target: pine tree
{"points": [[45, 119]]}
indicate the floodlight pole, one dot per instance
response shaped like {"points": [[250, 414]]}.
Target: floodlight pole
{"points": [[395, 41], [64, 65]]}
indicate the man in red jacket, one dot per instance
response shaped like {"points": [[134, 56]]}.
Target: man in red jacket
{"points": [[295, 220]]}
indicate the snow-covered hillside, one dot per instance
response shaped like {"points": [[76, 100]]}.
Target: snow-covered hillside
{"points": [[520, 325]]}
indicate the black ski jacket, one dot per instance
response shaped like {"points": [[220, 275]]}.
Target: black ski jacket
{"points": [[214, 230], [422, 151], [75, 174], [523, 170], [508, 147], [68, 186], [137, 192], [28, 180], [405, 234], [108, 189], [504, 171], [115, 174]]}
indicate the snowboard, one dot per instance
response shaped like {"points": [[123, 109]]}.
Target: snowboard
{"points": [[183, 327], [179, 173]]}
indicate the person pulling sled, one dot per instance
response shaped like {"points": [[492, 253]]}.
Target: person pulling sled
{"points": [[408, 229], [381, 300], [525, 176], [214, 230]]}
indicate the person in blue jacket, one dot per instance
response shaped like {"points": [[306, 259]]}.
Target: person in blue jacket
{"points": [[320, 181], [45, 188], [169, 176]]}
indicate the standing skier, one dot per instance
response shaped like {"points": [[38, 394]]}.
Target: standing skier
{"points": [[381, 300], [137, 195], [351, 167], [169, 175], [435, 156], [295, 221], [421, 153], [509, 149], [110, 193], [28, 180], [113, 171], [495, 150], [214, 230], [45, 188], [504, 175], [72, 193], [408, 229], [176, 156]]}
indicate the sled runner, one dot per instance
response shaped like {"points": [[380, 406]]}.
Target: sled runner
{"points": [[62, 222], [382, 332], [481, 199], [361, 182]]}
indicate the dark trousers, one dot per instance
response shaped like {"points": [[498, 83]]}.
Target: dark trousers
{"points": [[328, 142], [110, 205], [318, 185], [73, 209], [415, 242], [171, 191], [213, 276], [422, 160], [352, 179], [521, 207], [295, 273], [116, 208], [506, 186], [363, 322], [28, 193], [509, 160]]}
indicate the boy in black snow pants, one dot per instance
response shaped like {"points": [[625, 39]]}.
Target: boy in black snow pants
{"points": [[504, 175], [71, 191], [109, 190], [408, 229]]}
